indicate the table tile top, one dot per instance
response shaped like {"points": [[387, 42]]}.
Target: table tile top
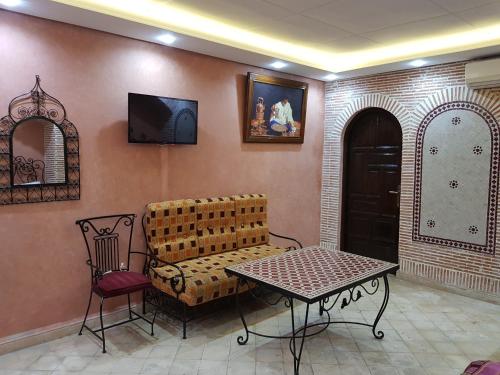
{"points": [[311, 272]]}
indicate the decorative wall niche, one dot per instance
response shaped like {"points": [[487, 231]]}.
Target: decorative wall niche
{"points": [[39, 151], [456, 177]]}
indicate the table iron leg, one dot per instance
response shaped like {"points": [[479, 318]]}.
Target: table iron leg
{"points": [[295, 348], [241, 340], [379, 334]]}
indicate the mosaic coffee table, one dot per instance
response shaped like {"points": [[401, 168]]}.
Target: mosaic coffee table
{"points": [[313, 275]]}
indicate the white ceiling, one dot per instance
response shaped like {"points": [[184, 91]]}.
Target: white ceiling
{"points": [[349, 25], [339, 26]]}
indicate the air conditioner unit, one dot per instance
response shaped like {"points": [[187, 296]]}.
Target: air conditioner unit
{"points": [[483, 74]]}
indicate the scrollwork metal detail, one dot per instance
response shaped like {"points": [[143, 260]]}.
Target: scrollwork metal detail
{"points": [[353, 295], [36, 104], [28, 171]]}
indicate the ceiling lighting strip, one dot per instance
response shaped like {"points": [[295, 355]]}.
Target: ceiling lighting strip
{"points": [[171, 17]]}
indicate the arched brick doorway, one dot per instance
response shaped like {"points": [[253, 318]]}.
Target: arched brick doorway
{"points": [[371, 185]]}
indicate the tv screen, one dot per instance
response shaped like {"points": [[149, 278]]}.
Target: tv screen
{"points": [[155, 119]]}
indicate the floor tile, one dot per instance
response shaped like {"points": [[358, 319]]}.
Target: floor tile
{"points": [[269, 368], [47, 363], [241, 368], [209, 367], [269, 355], [156, 366], [426, 332]]}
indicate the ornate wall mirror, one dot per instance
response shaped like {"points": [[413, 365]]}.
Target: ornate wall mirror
{"points": [[39, 160]]}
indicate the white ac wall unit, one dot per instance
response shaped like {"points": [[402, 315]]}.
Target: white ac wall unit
{"points": [[483, 74]]}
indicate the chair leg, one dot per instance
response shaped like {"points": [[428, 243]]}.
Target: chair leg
{"points": [[102, 327], [153, 323], [129, 308], [86, 314], [144, 302]]}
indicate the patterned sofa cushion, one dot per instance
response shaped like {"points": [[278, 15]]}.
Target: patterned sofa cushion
{"points": [[205, 276], [171, 229], [215, 225], [251, 220]]}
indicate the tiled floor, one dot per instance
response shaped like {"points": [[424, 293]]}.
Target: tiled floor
{"points": [[426, 332]]}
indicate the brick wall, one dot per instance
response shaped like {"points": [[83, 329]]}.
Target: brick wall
{"points": [[409, 95]]}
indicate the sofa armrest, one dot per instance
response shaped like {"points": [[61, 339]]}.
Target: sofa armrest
{"points": [[177, 282], [287, 238]]}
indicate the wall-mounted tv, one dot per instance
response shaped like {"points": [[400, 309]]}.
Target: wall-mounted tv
{"points": [[160, 120]]}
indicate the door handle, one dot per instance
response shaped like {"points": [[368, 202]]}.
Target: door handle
{"points": [[397, 193]]}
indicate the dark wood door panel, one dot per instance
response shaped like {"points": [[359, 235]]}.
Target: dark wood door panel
{"points": [[385, 231], [372, 170], [384, 252]]}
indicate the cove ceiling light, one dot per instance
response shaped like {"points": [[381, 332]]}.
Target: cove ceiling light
{"points": [[331, 77], [11, 3], [167, 38], [278, 65], [417, 63], [173, 16]]}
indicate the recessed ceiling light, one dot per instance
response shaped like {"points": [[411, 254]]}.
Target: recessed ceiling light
{"points": [[11, 3], [166, 38], [417, 63], [278, 64], [330, 77]]}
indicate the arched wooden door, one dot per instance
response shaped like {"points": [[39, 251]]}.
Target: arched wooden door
{"points": [[371, 187]]}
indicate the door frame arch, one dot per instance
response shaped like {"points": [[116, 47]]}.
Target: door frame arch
{"points": [[344, 144]]}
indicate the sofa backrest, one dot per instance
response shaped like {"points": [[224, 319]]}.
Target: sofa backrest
{"points": [[251, 219], [171, 229], [187, 228], [216, 225]]}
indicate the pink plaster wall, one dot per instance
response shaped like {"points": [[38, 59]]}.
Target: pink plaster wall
{"points": [[43, 279]]}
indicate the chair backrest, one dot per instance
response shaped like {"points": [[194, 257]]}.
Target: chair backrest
{"points": [[216, 225], [251, 219], [170, 229], [104, 236]]}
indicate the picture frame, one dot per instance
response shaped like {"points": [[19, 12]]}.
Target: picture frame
{"points": [[275, 110]]}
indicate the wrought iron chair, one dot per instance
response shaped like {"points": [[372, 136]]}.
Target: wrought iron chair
{"points": [[110, 274]]}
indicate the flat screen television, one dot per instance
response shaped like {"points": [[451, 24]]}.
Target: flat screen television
{"points": [[160, 120]]}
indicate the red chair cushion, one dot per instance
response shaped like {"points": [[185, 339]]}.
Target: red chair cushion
{"points": [[121, 282]]}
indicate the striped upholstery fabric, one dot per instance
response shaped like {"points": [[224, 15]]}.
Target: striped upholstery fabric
{"points": [[171, 229], [251, 219], [205, 276], [215, 225]]}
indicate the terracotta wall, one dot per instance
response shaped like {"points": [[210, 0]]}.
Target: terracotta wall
{"points": [[409, 95], [43, 278]]}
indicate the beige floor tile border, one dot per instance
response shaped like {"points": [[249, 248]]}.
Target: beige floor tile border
{"points": [[491, 298]]}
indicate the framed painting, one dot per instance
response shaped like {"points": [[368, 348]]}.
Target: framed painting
{"points": [[275, 110]]}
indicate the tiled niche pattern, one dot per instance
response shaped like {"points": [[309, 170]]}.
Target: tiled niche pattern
{"points": [[409, 95], [456, 177]]}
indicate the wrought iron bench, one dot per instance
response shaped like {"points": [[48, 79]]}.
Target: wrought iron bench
{"points": [[191, 241]]}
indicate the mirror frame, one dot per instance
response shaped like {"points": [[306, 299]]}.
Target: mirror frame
{"points": [[38, 105]]}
